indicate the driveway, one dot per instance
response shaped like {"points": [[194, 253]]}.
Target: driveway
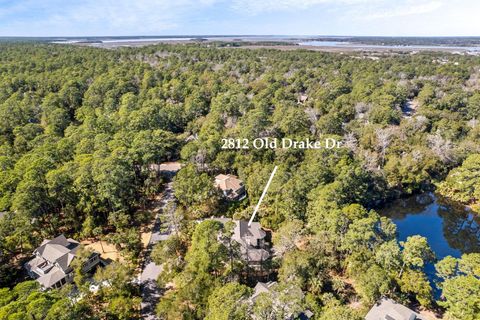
{"points": [[151, 293]]}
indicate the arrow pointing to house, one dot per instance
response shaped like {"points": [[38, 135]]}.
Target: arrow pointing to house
{"points": [[263, 195]]}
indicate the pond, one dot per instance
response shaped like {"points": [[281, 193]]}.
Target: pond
{"points": [[450, 229]]}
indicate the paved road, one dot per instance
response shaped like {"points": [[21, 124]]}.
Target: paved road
{"points": [[150, 291]]}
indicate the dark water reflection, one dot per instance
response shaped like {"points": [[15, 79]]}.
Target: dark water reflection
{"points": [[450, 229]]}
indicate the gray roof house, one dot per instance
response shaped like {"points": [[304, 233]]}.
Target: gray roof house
{"points": [[253, 247], [51, 266], [262, 287], [231, 187], [252, 242], [387, 309]]}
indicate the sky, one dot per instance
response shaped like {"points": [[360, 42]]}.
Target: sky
{"points": [[239, 17]]}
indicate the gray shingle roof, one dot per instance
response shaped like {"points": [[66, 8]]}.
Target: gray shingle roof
{"points": [[389, 309], [59, 250], [248, 237], [262, 287], [243, 232], [52, 277]]}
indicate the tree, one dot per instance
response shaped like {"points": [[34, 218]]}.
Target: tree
{"points": [[373, 283], [461, 183], [170, 254], [281, 302], [384, 137], [442, 148], [416, 253], [228, 302], [205, 264], [334, 310], [78, 264], [461, 286], [416, 282], [191, 187], [123, 308], [288, 236], [447, 267], [115, 279], [462, 297], [26, 301]]}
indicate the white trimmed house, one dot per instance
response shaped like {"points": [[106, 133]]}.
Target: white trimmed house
{"points": [[51, 266]]}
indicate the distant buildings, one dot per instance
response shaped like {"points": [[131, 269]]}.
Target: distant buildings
{"points": [[387, 309], [231, 187], [51, 266]]}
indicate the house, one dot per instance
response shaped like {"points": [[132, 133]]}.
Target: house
{"points": [[262, 287], [387, 309], [252, 242], [51, 266], [231, 187]]}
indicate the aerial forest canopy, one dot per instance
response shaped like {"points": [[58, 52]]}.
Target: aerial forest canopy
{"points": [[81, 129]]}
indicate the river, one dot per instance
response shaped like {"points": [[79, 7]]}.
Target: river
{"points": [[450, 229]]}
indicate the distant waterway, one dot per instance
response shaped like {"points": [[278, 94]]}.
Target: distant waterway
{"points": [[450, 228], [349, 45]]}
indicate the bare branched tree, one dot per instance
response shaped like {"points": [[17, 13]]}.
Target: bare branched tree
{"points": [[361, 109], [442, 148], [370, 160], [384, 138], [351, 142]]}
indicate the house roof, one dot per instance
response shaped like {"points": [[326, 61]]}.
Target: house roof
{"points": [[254, 254], [243, 231], [228, 182], [262, 287], [59, 250], [35, 262], [52, 277], [248, 236], [391, 310]]}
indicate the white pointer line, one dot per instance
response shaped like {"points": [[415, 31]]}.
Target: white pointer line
{"points": [[263, 195]]}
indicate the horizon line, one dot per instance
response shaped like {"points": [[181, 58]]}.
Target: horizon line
{"points": [[242, 35]]}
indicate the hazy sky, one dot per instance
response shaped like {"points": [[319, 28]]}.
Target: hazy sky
{"points": [[209, 17]]}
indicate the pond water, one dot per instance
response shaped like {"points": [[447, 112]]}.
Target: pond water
{"points": [[450, 229]]}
